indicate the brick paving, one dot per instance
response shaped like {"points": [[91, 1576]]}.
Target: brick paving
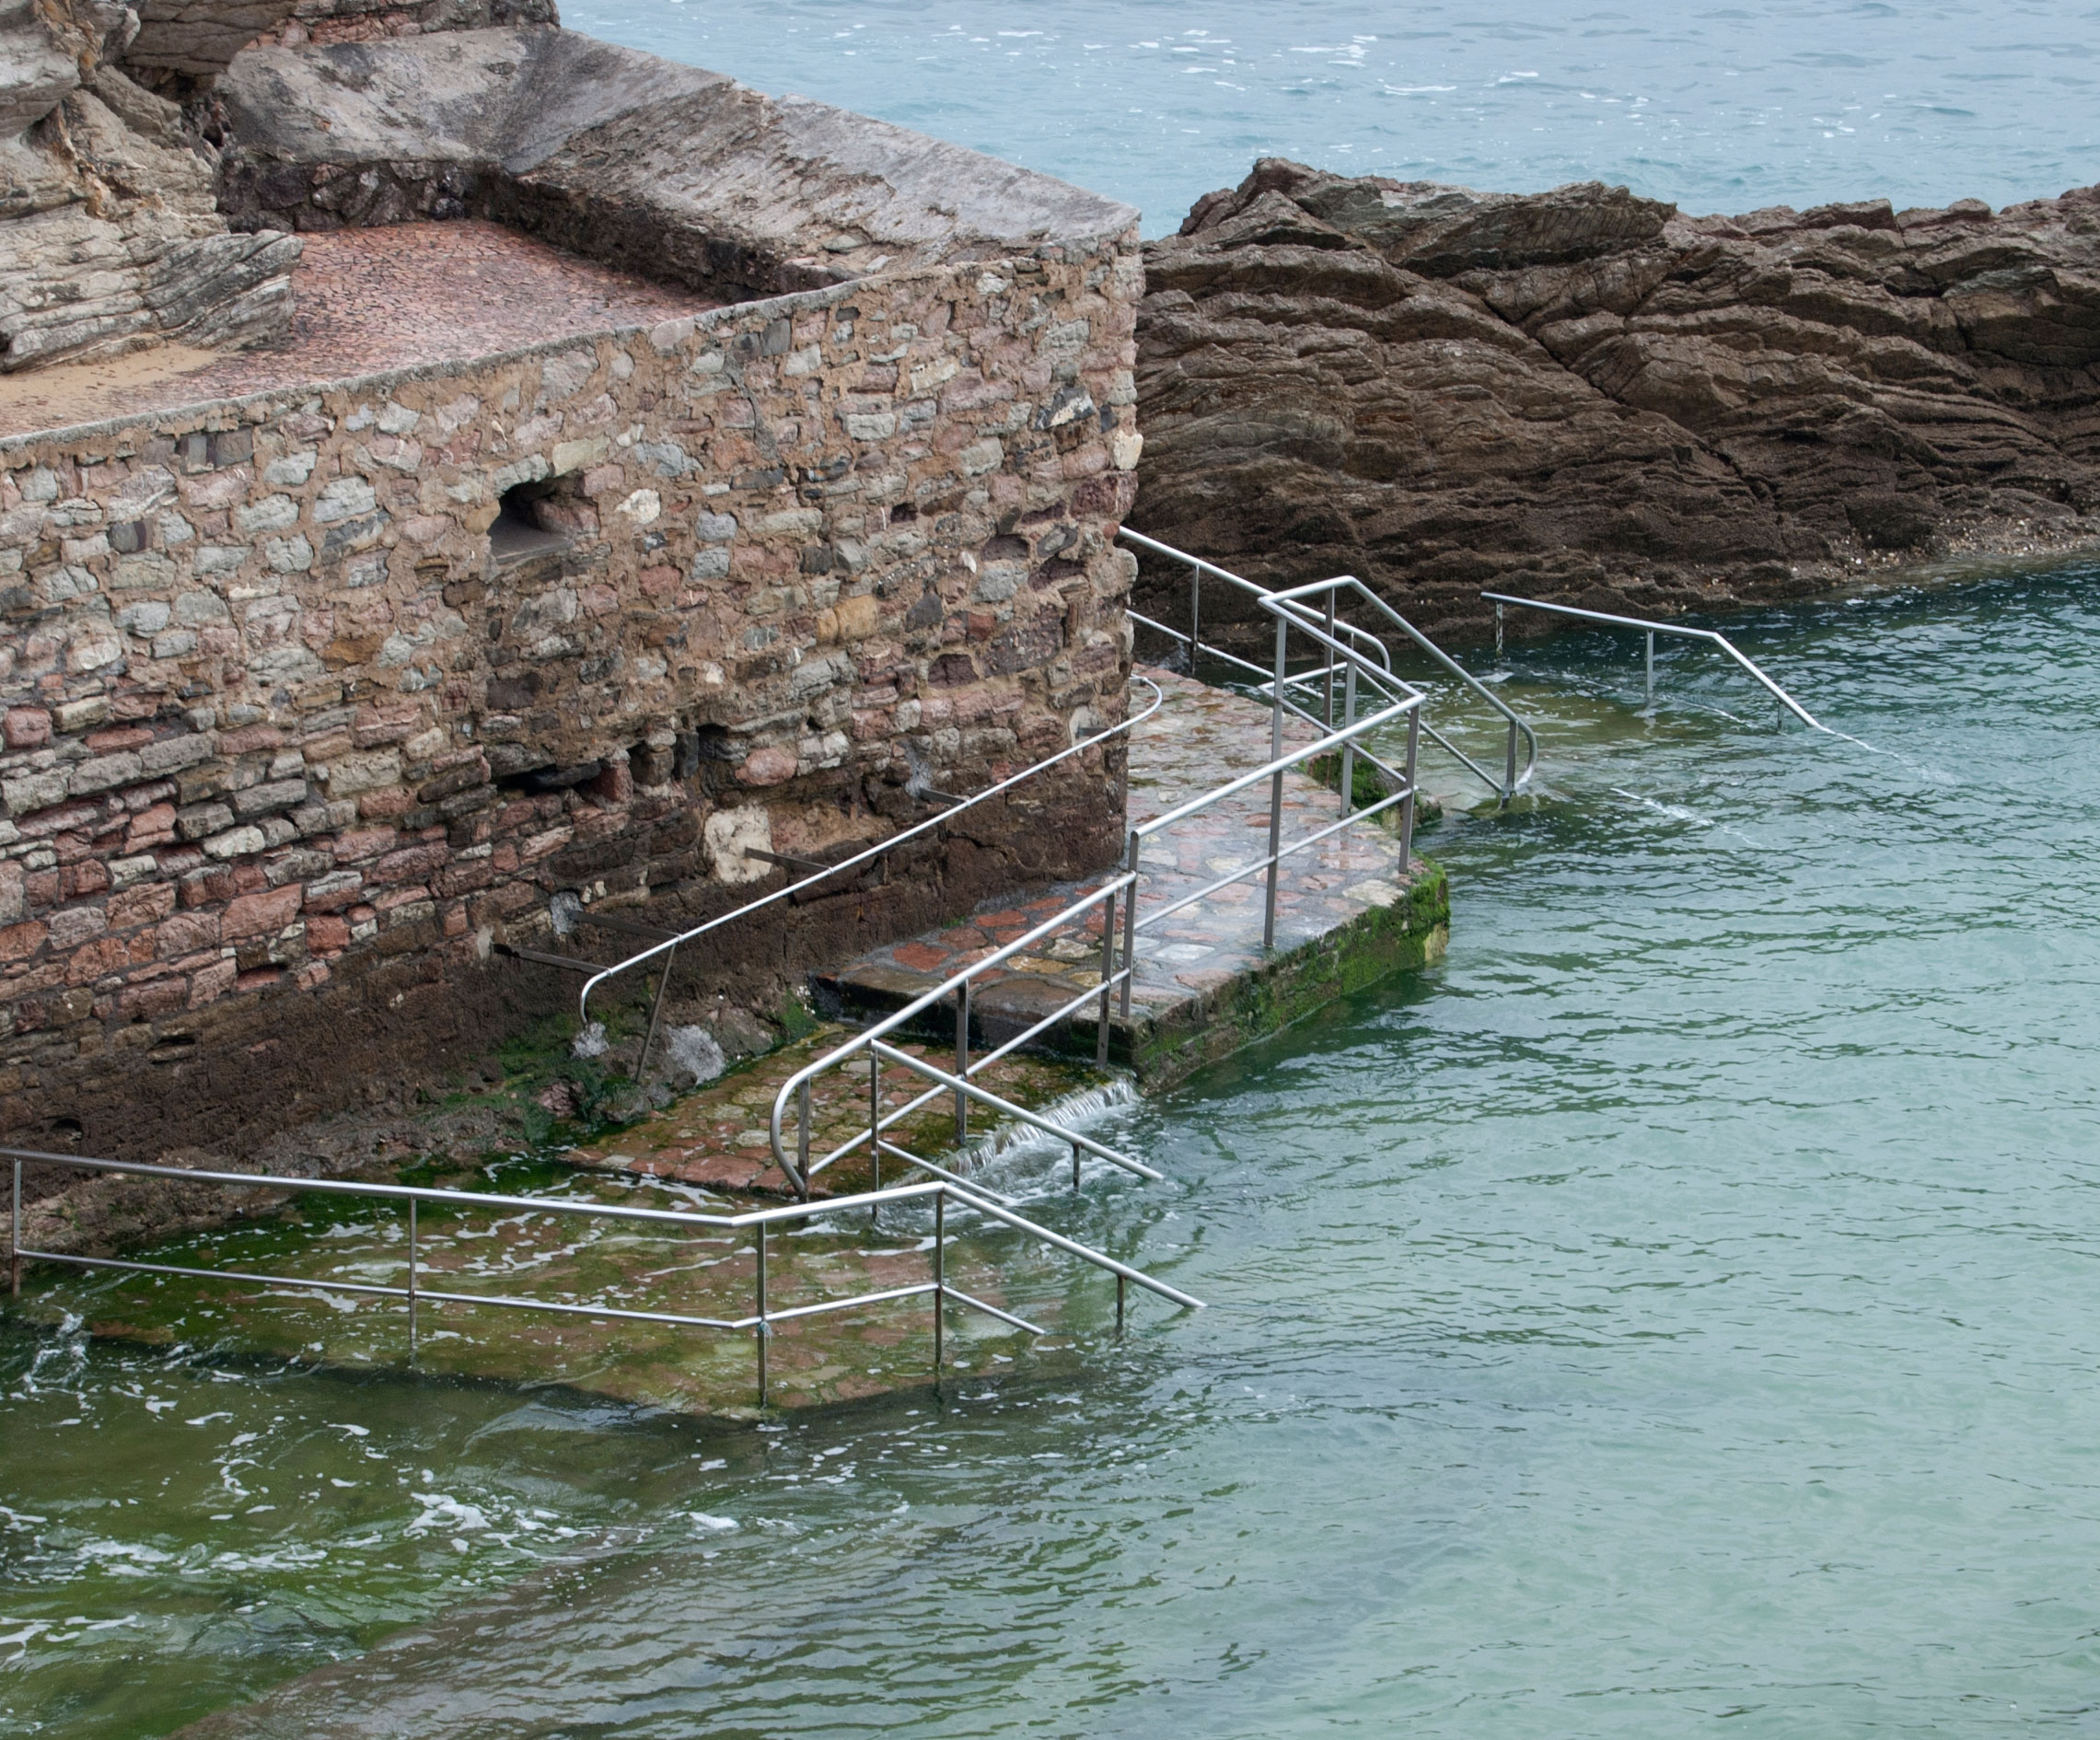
{"points": [[1198, 739], [367, 301]]}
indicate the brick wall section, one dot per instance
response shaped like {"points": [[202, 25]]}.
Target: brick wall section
{"points": [[281, 731]]}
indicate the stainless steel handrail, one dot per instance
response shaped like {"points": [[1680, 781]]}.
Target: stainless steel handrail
{"points": [[871, 1044], [670, 945], [1513, 780], [801, 1170], [941, 1192], [1653, 629]]}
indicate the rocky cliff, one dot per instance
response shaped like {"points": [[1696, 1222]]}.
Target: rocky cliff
{"points": [[111, 237], [1583, 393], [110, 232]]}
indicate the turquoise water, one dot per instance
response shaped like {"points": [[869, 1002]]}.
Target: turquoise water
{"points": [[1722, 108], [1681, 1305]]}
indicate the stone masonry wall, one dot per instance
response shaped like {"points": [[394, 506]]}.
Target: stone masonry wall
{"points": [[288, 748]]}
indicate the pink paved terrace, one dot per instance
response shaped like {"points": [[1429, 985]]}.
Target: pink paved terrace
{"points": [[368, 301]]}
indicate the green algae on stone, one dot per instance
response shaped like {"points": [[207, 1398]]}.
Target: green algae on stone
{"points": [[571, 1260]]}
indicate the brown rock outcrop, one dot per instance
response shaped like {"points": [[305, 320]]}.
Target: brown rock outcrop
{"points": [[1584, 393]]}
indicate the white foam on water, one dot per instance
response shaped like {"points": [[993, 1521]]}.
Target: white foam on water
{"points": [[442, 1511]]}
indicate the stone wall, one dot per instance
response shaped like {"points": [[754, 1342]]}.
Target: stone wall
{"points": [[290, 747]]}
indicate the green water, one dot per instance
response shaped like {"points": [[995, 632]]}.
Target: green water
{"points": [[1681, 1306]]}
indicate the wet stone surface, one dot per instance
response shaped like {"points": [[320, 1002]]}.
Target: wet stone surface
{"points": [[720, 1135], [551, 1256], [1200, 737], [709, 1153]]}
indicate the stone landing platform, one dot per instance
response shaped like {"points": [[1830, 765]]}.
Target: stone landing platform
{"points": [[1347, 915], [1347, 911], [366, 301]]}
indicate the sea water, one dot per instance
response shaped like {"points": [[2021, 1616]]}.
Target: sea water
{"points": [[1718, 106], [1681, 1305]]}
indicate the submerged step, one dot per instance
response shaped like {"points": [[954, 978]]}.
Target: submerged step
{"points": [[299, 1281], [720, 1135]]}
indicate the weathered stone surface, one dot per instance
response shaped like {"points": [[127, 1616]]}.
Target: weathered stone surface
{"points": [[186, 42], [1582, 391], [661, 169], [269, 816], [109, 236]]}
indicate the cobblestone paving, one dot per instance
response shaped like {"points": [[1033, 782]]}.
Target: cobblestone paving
{"points": [[368, 300], [1199, 738], [719, 1135]]}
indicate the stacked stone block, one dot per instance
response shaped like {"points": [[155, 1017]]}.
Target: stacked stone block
{"points": [[282, 726]]}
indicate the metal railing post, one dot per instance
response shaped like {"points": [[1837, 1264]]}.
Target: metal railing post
{"points": [[1509, 767], [1326, 704], [1108, 972], [15, 1237], [1195, 615], [1498, 628], [1349, 749], [1275, 786], [1650, 664], [962, 1063], [1118, 1305], [764, 1330], [655, 1013], [802, 1142], [412, 1282], [940, 1279], [1408, 806], [874, 1130], [1130, 924]]}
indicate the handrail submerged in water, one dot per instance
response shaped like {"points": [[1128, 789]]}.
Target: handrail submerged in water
{"points": [[1680, 630], [940, 1192]]}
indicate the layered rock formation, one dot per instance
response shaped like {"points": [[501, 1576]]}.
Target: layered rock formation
{"points": [[111, 237], [186, 44], [1581, 392], [664, 169]]}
